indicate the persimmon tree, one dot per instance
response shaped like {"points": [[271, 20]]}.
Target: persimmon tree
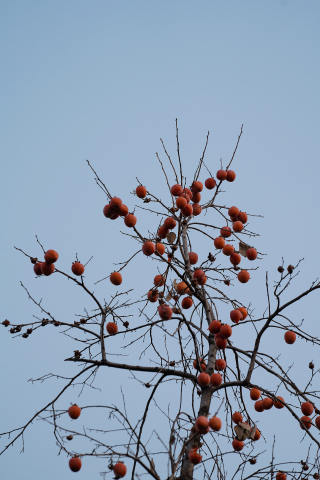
{"points": [[189, 343]]}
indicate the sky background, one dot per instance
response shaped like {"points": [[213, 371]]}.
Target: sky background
{"points": [[104, 81]]}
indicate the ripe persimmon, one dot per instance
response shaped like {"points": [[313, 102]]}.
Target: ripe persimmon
{"points": [[182, 288], [237, 226], [160, 248], [47, 268], [196, 197], [242, 217], [258, 406], [307, 408], [193, 258], [214, 327], [51, 256], [221, 175], [123, 210], [196, 209], [244, 312], [317, 422], [278, 404], [220, 341], [170, 223], [202, 364], [233, 211], [200, 276], [216, 379], [210, 183], [165, 312], [267, 403], [225, 331], [235, 316], [257, 435], [130, 220], [153, 296], [202, 424], [225, 232], [162, 231], [220, 364], [255, 394], [187, 191], [307, 422], [186, 303], [181, 202], [215, 424], [74, 411], [219, 242], [176, 190], [197, 186], [77, 268], [290, 337], [203, 379], [116, 278], [237, 445], [141, 191], [159, 280], [75, 464], [235, 258], [148, 248], [237, 417], [194, 457], [187, 210], [115, 203], [281, 476], [251, 254], [243, 276], [37, 268], [112, 328], [228, 249], [119, 470], [230, 176]]}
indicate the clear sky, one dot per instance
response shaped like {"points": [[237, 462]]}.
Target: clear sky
{"points": [[104, 81]]}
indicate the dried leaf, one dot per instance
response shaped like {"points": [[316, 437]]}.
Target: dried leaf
{"points": [[171, 236], [169, 296], [244, 431], [243, 247]]}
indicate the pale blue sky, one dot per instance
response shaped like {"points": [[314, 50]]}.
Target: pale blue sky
{"points": [[104, 81]]}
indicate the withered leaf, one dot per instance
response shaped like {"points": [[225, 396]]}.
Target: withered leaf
{"points": [[243, 247], [169, 296], [244, 431], [171, 236]]}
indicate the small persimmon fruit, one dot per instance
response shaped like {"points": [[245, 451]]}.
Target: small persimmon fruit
{"points": [[119, 470], [235, 258], [197, 186], [235, 316], [242, 217], [225, 331], [225, 232], [267, 403], [202, 424], [181, 202], [220, 341], [77, 268], [115, 202], [237, 417], [37, 268], [210, 183], [251, 253], [196, 197], [278, 404], [255, 394], [123, 210], [74, 412], [159, 280], [160, 248], [306, 422], [75, 464], [162, 231], [244, 312], [194, 457], [215, 424], [112, 328], [47, 268], [141, 191], [214, 327], [237, 226], [170, 223], [165, 312], [220, 364], [202, 364], [221, 175], [216, 379], [233, 211], [243, 276], [281, 476], [290, 337], [116, 278], [258, 406], [51, 256], [130, 220], [219, 242], [257, 435], [237, 445], [182, 288], [200, 276], [176, 190], [307, 408], [196, 209], [148, 248], [193, 258], [187, 211], [228, 250], [317, 422], [186, 303], [230, 176], [153, 296], [203, 379]]}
